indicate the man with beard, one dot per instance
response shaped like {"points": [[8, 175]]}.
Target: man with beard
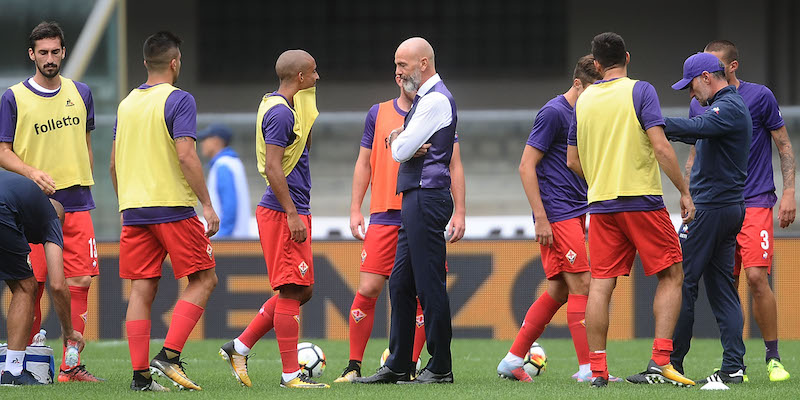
{"points": [[159, 179], [419, 267], [375, 168], [45, 125]]}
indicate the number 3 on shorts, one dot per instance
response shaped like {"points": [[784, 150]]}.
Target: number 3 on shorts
{"points": [[764, 239]]}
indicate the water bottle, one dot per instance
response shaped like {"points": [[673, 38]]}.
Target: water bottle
{"points": [[71, 356], [39, 338]]}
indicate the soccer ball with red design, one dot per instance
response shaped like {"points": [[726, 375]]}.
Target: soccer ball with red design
{"points": [[535, 361]]}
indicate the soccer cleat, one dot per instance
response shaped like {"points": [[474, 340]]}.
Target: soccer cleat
{"points": [[150, 386], [426, 376], [25, 378], [348, 375], [174, 372], [660, 374], [237, 362], [508, 371], [78, 373], [599, 382], [776, 371], [726, 378], [302, 381], [588, 377]]}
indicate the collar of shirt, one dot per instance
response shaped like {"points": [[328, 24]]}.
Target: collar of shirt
{"points": [[722, 92], [426, 87]]}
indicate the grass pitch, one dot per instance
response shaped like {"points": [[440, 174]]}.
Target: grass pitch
{"points": [[474, 370]]}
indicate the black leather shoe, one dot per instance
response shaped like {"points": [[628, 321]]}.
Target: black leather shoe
{"points": [[382, 375], [426, 376]]}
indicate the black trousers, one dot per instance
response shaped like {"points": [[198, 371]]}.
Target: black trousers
{"points": [[709, 245], [419, 271]]}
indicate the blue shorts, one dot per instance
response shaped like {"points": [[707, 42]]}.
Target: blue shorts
{"points": [[14, 250]]}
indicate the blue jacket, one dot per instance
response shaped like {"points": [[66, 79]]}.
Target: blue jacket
{"points": [[721, 136], [227, 187]]}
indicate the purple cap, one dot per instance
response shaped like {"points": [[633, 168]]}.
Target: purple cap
{"points": [[695, 65]]}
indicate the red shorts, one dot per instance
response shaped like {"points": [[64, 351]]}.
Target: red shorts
{"points": [[754, 241], [568, 251], [80, 248], [380, 246], [288, 262], [142, 249], [615, 238]]}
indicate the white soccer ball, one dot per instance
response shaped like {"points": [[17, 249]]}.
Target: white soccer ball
{"points": [[311, 359], [535, 361], [385, 356]]}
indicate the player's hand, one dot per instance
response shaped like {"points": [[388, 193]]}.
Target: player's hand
{"points": [[787, 209], [212, 220], [687, 208], [357, 225], [45, 182], [297, 228], [422, 150], [544, 232], [76, 337], [457, 228]]}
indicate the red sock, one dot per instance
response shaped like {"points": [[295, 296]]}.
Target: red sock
{"points": [[576, 315], [598, 363], [419, 334], [261, 323], [184, 318], [287, 328], [662, 348], [79, 296], [139, 343], [37, 312], [539, 315], [362, 317]]}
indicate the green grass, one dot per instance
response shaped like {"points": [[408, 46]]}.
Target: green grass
{"points": [[474, 370]]}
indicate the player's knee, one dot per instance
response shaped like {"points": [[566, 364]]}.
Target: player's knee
{"points": [[28, 286], [369, 290], [672, 275], [80, 281], [758, 283], [209, 281]]}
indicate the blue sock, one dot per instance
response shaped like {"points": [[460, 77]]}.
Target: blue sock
{"points": [[772, 349]]}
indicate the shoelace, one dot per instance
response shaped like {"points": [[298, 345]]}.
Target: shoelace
{"points": [[306, 379], [237, 361]]}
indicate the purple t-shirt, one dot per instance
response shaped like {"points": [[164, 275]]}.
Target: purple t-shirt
{"points": [[75, 198], [180, 116], [563, 192], [390, 217], [278, 129], [759, 187], [648, 111]]}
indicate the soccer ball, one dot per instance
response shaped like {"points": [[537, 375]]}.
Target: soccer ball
{"points": [[311, 359], [387, 353], [535, 361]]}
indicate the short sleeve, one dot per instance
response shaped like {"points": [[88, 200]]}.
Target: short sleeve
{"points": [[545, 126], [88, 101], [369, 127], [278, 126], [8, 116], [180, 114], [52, 233], [773, 120], [648, 108], [572, 136]]}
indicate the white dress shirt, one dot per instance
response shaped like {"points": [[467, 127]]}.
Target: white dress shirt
{"points": [[433, 112]]}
